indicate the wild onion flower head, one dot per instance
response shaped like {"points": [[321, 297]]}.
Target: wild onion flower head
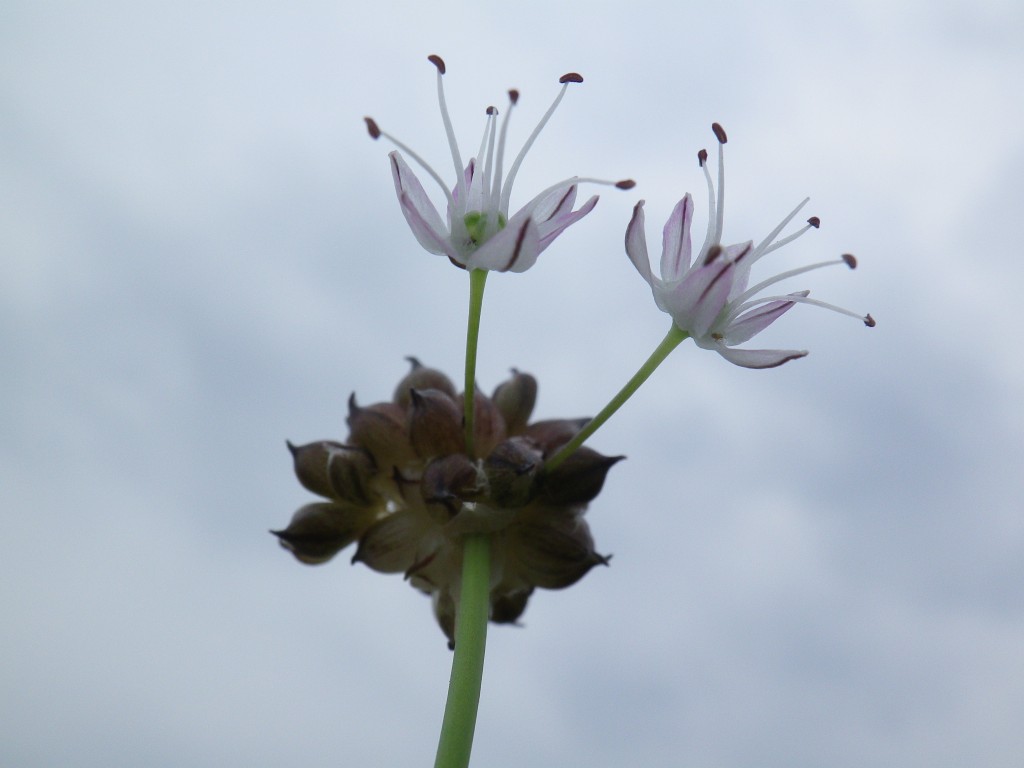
{"points": [[708, 296], [478, 232]]}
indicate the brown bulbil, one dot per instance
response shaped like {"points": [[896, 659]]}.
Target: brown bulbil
{"points": [[515, 399], [421, 377], [403, 487], [435, 424], [578, 479]]}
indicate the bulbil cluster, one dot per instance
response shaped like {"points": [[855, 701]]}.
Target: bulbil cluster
{"points": [[404, 488]]}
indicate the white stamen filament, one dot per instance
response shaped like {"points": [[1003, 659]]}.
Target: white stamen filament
{"points": [[496, 181], [506, 190], [423, 164], [738, 302], [798, 299], [460, 171], [765, 246]]}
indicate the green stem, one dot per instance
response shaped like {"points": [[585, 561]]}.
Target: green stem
{"points": [[456, 740], [477, 280], [672, 340]]}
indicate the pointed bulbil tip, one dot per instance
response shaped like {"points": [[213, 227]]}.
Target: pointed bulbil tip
{"points": [[353, 408], [814, 221], [625, 184], [719, 133], [414, 362], [702, 157], [869, 321], [371, 127], [437, 61], [571, 77], [850, 260], [513, 95], [291, 447]]}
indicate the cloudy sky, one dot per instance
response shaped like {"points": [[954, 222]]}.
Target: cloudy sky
{"points": [[818, 565]]}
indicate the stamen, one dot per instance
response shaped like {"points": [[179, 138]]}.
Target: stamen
{"points": [[713, 253], [437, 61], [763, 246], [625, 184], [720, 216], [513, 99], [453, 145], [850, 260], [814, 221], [709, 238], [739, 304], [371, 126], [506, 190], [485, 157], [797, 298]]}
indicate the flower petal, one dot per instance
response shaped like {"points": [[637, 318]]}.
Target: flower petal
{"points": [[513, 249], [752, 322], [421, 215], [675, 241], [556, 225], [697, 301], [432, 240], [758, 358], [636, 244]]}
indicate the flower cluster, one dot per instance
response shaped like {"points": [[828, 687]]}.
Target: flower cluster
{"points": [[403, 488]]}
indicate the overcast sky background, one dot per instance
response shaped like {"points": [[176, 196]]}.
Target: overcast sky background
{"points": [[202, 255]]}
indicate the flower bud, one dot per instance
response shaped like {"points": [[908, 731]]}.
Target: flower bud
{"points": [[421, 377], [511, 469], [515, 399], [350, 471], [317, 532], [444, 612], [311, 461], [552, 434], [578, 479], [507, 607], [556, 550], [390, 544], [450, 480], [380, 430], [435, 424], [488, 424]]}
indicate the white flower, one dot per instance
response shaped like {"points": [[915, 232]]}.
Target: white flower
{"points": [[707, 296], [478, 232]]}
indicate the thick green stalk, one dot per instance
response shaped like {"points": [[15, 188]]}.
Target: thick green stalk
{"points": [[672, 340], [477, 280], [456, 740]]}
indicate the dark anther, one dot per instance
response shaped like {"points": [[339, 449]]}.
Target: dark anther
{"points": [[850, 259], [814, 221], [719, 133], [571, 77], [492, 110], [869, 321], [437, 61], [513, 95], [625, 184], [713, 253], [371, 126], [702, 157]]}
